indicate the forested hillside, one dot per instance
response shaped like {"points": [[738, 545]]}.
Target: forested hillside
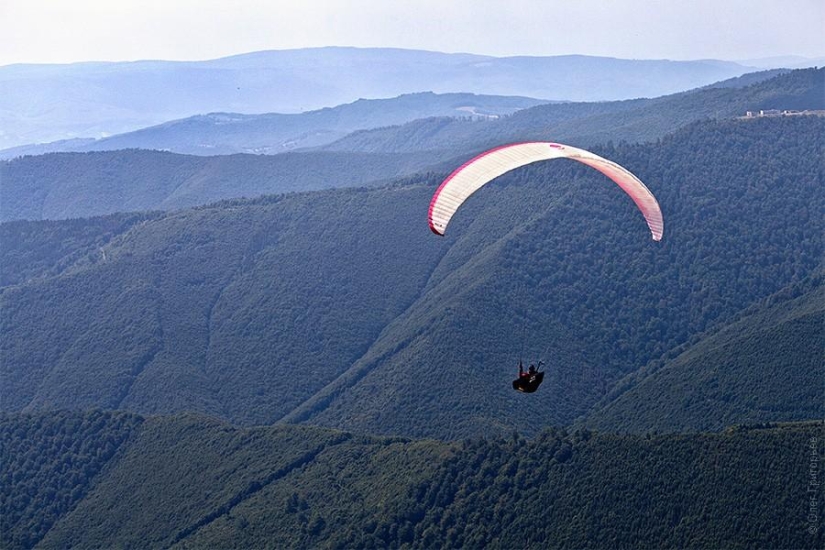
{"points": [[35, 250], [545, 265], [769, 364], [95, 480], [339, 308], [586, 124], [49, 464], [71, 185], [241, 310]]}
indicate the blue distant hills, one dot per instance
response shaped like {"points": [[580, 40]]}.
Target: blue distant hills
{"points": [[45, 103]]}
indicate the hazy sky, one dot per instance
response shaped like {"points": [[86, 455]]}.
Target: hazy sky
{"points": [[43, 31]]}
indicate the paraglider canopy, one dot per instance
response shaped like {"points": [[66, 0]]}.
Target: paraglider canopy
{"points": [[471, 176]]}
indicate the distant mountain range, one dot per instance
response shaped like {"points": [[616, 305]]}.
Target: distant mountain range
{"points": [[228, 133], [587, 124], [65, 185], [45, 103]]}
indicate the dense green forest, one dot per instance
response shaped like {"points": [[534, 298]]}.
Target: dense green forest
{"points": [[173, 314], [95, 480], [339, 308], [765, 365], [563, 280], [48, 464]]}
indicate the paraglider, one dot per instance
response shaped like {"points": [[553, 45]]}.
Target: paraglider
{"points": [[528, 381], [474, 174], [487, 166]]}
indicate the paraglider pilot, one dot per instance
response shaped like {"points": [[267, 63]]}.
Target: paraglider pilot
{"points": [[529, 372], [528, 381]]}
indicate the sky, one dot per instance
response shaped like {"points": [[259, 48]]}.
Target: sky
{"points": [[64, 31]]}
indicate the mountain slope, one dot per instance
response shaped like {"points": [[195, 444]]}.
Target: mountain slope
{"points": [[767, 366], [241, 311], [42, 103], [70, 185], [192, 482], [339, 308], [590, 295]]}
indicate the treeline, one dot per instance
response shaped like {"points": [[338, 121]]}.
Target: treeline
{"points": [[33, 250], [745, 488], [192, 482]]}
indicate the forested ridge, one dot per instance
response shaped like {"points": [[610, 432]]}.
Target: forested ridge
{"points": [[73, 185], [92, 480], [35, 250], [69, 185], [341, 309], [587, 124]]}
